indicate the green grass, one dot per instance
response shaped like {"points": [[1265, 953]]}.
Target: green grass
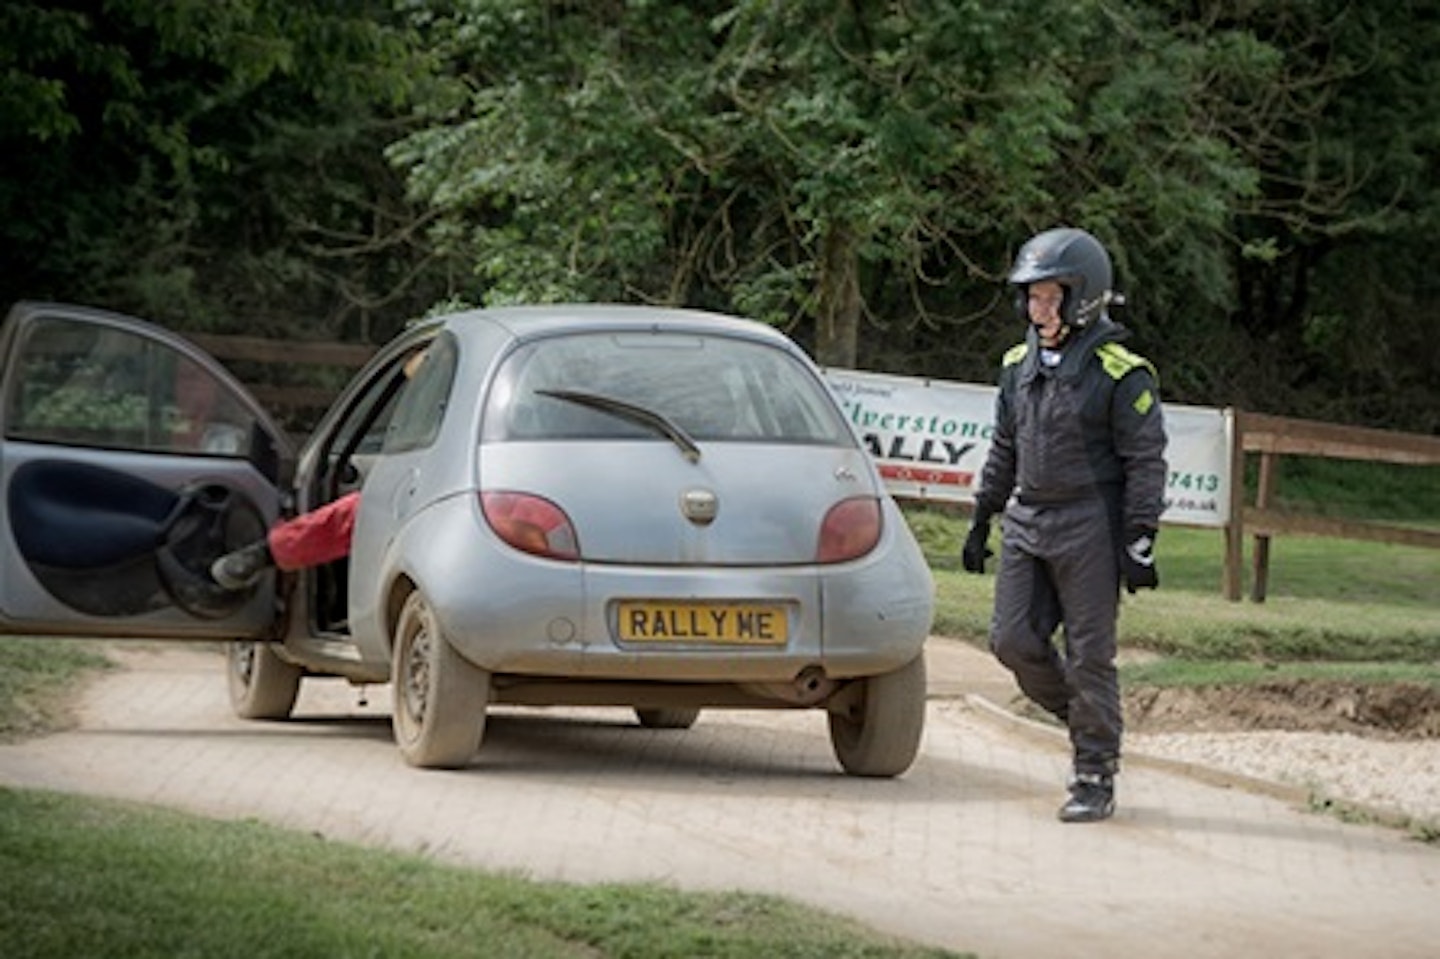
{"points": [[35, 680], [1372, 607], [98, 878], [1175, 672], [1355, 490]]}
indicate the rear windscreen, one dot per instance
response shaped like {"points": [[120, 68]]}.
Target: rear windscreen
{"points": [[711, 387]]}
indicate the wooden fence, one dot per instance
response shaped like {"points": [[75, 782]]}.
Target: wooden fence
{"points": [[257, 361], [1272, 437]]}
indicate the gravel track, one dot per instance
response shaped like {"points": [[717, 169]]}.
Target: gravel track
{"points": [[1390, 779]]}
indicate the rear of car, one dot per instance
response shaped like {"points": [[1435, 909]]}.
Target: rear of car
{"points": [[755, 542], [669, 512]]}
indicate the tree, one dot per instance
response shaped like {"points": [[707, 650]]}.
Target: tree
{"points": [[857, 173], [209, 165], [1335, 270], [803, 161]]}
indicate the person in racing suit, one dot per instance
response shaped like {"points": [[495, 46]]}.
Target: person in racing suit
{"points": [[1077, 468], [320, 536]]}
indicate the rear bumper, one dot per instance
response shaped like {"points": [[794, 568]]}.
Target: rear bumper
{"points": [[517, 615]]}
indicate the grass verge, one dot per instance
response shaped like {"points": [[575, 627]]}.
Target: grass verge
{"points": [[1368, 609], [37, 680], [99, 878]]}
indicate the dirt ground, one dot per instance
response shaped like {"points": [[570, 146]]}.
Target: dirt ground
{"points": [[1380, 710], [1362, 749]]}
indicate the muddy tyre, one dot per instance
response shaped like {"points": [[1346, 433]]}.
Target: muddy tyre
{"points": [[878, 733], [262, 685], [440, 697]]}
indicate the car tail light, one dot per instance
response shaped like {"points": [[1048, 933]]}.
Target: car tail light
{"points": [[531, 524], [851, 528]]}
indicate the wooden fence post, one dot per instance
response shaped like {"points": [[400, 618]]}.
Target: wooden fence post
{"points": [[1235, 525], [1261, 559]]}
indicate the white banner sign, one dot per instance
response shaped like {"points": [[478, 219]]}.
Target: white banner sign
{"points": [[930, 439]]}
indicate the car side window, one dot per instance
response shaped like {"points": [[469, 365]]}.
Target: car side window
{"points": [[92, 384], [423, 401], [383, 416]]}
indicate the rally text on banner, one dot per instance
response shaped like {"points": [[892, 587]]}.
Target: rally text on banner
{"points": [[930, 439]]}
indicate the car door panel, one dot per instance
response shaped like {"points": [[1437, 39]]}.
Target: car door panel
{"points": [[114, 502]]}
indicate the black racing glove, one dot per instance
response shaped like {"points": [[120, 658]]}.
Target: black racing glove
{"points": [[976, 552], [1137, 560]]}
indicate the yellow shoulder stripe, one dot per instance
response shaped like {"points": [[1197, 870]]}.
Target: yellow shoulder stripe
{"points": [[1118, 361], [1015, 354]]}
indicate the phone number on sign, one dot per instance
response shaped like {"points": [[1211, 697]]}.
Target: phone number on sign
{"points": [[1194, 482]]}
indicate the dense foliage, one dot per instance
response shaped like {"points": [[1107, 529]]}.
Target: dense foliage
{"points": [[212, 166], [858, 173]]}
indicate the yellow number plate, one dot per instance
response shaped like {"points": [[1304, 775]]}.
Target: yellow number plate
{"points": [[748, 624]]}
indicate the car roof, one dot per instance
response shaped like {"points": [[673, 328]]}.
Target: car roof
{"points": [[524, 322]]}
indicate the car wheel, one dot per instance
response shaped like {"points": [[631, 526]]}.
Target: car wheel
{"points": [[262, 685], [439, 696], [667, 718], [879, 733]]}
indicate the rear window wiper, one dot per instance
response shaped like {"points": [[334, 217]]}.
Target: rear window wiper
{"points": [[636, 414]]}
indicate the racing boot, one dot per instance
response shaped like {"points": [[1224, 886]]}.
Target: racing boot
{"points": [[1092, 798], [242, 568]]}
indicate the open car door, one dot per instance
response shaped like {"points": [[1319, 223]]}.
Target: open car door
{"points": [[129, 460]]}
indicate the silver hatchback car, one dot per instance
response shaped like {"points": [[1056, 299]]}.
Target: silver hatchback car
{"points": [[658, 509]]}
